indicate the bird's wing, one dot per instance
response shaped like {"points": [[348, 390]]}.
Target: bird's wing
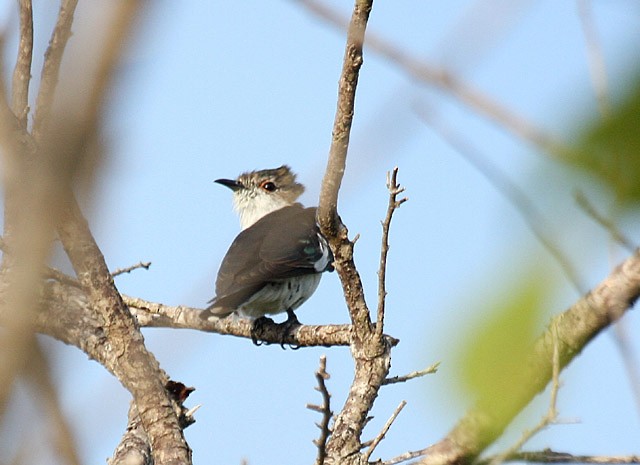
{"points": [[267, 252]]}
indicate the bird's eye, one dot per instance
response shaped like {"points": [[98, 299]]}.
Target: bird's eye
{"points": [[268, 186]]}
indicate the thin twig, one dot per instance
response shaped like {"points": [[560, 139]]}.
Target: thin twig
{"points": [[414, 374], [607, 224], [129, 269], [52, 273], [324, 409], [550, 416], [394, 189], [51, 68], [534, 220], [384, 431], [404, 457], [22, 69]]}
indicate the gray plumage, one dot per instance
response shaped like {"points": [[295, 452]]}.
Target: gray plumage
{"points": [[274, 265]]}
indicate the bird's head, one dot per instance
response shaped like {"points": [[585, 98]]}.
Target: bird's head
{"points": [[258, 193]]}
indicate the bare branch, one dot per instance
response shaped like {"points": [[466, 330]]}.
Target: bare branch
{"points": [[22, 69], [129, 269], [576, 327], [327, 208], [324, 409], [51, 67], [134, 446], [394, 189], [136, 367], [414, 374], [156, 315], [384, 431], [370, 350], [404, 457]]}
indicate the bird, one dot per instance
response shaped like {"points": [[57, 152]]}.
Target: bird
{"points": [[275, 263]]}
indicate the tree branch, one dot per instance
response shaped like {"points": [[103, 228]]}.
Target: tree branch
{"points": [[324, 409], [135, 367], [51, 67], [151, 314], [394, 189], [576, 327], [370, 350], [22, 69], [384, 431]]}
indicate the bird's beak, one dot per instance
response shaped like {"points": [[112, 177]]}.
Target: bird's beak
{"points": [[230, 183]]}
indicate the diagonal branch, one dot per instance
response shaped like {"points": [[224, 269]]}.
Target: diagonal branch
{"points": [[136, 368], [576, 327]]}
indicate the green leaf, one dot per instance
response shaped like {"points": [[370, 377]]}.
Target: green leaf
{"points": [[494, 355], [610, 148]]}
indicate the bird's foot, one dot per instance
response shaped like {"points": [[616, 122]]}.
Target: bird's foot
{"points": [[261, 324], [257, 328], [287, 326]]}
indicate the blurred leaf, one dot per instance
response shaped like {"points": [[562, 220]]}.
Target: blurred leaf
{"points": [[610, 148], [493, 356]]}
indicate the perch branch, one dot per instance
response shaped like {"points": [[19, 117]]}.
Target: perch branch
{"points": [[156, 315]]}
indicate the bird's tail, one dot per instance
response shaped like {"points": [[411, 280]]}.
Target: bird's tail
{"points": [[215, 311]]}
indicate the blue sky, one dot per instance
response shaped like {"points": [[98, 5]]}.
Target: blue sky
{"points": [[210, 89]]}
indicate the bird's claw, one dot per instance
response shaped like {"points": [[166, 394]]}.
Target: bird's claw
{"points": [[259, 325], [291, 323], [257, 328]]}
